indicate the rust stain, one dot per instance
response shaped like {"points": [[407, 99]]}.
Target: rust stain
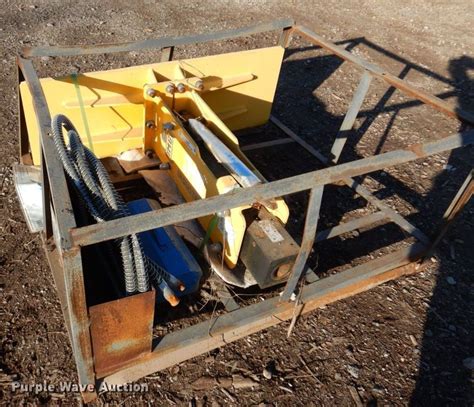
{"points": [[417, 149], [121, 331]]}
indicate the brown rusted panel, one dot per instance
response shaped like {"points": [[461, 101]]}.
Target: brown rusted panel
{"points": [[121, 331]]}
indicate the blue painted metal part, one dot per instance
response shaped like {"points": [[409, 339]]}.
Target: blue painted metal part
{"points": [[166, 248]]}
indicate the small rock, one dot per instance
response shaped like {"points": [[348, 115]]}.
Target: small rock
{"points": [[240, 382], [451, 280], [468, 363], [353, 371], [267, 374], [378, 390], [204, 383], [175, 370], [49, 24], [270, 370]]}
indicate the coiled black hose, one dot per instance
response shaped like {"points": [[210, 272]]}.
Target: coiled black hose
{"points": [[92, 182]]}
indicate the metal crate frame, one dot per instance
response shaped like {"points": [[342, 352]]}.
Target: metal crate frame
{"points": [[64, 253]]}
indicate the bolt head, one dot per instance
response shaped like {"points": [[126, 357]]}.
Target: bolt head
{"points": [[199, 84], [150, 124], [170, 88], [151, 92], [150, 153], [181, 88]]}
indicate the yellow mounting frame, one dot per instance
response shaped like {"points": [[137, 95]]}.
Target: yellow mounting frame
{"points": [[110, 110]]}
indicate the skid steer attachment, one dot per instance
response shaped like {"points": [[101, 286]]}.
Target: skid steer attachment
{"points": [[122, 252]]}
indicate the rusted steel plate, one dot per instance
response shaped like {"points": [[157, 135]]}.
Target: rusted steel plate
{"points": [[121, 331], [190, 210]]}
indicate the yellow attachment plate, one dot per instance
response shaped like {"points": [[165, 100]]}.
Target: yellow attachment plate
{"points": [[238, 86], [229, 91]]}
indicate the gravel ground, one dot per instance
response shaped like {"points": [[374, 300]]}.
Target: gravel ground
{"points": [[406, 342]]}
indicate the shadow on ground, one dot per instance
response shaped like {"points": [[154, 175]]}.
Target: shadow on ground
{"points": [[443, 378]]}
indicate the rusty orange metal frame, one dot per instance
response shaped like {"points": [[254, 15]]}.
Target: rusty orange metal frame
{"points": [[63, 249]]}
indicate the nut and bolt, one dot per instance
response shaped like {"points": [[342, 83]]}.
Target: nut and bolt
{"points": [[171, 88], [181, 88], [150, 153], [151, 92], [150, 124], [164, 166], [199, 84]]}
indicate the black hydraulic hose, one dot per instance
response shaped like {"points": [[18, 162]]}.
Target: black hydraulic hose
{"points": [[92, 182]]}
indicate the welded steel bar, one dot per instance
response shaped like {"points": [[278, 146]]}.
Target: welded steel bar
{"points": [[392, 80], [166, 54], [24, 144], [392, 214], [350, 116], [91, 234], [308, 147], [309, 233], [46, 196], [356, 186], [229, 327], [58, 187], [460, 200], [285, 37], [350, 226], [78, 317], [74, 292], [163, 42]]}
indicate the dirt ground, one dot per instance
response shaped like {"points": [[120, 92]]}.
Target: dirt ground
{"points": [[406, 342]]}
